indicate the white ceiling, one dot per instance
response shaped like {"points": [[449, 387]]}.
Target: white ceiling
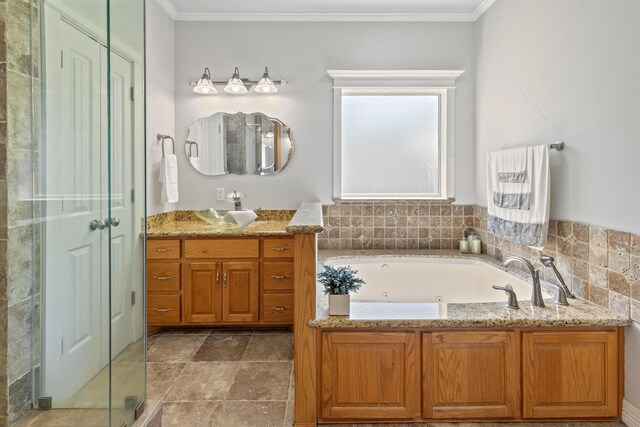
{"points": [[326, 10]]}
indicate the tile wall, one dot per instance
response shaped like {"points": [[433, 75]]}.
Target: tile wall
{"points": [[601, 265]]}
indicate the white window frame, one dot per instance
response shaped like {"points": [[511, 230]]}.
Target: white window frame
{"points": [[398, 82]]}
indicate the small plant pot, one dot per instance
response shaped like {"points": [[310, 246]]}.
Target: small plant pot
{"points": [[339, 305]]}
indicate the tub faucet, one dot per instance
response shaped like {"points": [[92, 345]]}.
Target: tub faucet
{"points": [[547, 261], [536, 296]]}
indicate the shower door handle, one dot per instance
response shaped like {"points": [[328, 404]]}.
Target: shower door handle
{"points": [[97, 225], [115, 221]]}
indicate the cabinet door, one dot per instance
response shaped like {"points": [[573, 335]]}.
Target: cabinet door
{"points": [[202, 294], [470, 375], [570, 374], [241, 289], [370, 375]]}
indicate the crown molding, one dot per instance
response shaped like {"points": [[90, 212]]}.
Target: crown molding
{"points": [[331, 16], [395, 74], [169, 8], [482, 8]]}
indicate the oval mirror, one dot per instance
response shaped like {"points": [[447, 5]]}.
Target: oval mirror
{"points": [[239, 143]]}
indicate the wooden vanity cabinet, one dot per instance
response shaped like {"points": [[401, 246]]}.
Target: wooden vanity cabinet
{"points": [[570, 374], [470, 375], [213, 281]]}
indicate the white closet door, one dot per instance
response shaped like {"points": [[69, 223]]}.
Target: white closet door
{"points": [[74, 253]]}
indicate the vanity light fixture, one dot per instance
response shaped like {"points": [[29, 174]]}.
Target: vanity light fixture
{"points": [[204, 86], [237, 85], [265, 85]]}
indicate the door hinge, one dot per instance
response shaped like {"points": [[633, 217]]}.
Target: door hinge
{"points": [[133, 297], [132, 93], [62, 59]]}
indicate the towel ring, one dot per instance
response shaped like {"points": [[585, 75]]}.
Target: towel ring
{"points": [[161, 139], [191, 144]]}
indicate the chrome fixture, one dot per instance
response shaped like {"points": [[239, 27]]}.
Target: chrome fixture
{"points": [[558, 146], [161, 138], [512, 302], [536, 296], [204, 86], [548, 261], [237, 85], [265, 84], [236, 199], [97, 225]]}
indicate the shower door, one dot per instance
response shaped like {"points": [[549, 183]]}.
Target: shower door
{"points": [[93, 353]]}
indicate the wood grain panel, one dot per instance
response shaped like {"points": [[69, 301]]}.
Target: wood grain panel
{"points": [[470, 375], [221, 248], [277, 276], [163, 309], [371, 375], [163, 277], [202, 293], [278, 248], [305, 338], [277, 308], [163, 249], [570, 374], [240, 293]]}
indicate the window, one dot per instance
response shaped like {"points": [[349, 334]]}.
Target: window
{"points": [[392, 140]]}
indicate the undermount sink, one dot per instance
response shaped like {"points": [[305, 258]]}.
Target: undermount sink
{"points": [[215, 217]]}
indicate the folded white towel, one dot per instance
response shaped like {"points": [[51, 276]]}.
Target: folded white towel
{"points": [[242, 218], [195, 162], [169, 179], [519, 198]]}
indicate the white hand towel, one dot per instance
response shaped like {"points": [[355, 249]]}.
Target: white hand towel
{"points": [[169, 179], [519, 211], [242, 218], [195, 162]]}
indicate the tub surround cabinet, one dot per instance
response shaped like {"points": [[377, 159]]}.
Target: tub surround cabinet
{"points": [[474, 375], [219, 281]]}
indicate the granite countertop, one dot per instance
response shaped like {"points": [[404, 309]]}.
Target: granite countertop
{"points": [[457, 315], [176, 224]]}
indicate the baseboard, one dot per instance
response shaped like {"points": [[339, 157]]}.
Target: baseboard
{"points": [[630, 414]]}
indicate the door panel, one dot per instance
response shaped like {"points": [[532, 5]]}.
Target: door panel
{"points": [[240, 292], [202, 294]]}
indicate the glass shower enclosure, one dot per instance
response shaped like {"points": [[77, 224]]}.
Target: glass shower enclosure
{"points": [[90, 204]]}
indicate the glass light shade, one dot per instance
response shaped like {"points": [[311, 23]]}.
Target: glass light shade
{"points": [[235, 86], [204, 86], [265, 84]]}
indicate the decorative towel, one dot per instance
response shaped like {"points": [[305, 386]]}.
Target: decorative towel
{"points": [[242, 218], [169, 179], [518, 194]]}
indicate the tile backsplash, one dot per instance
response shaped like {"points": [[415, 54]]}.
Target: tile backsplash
{"points": [[598, 264]]}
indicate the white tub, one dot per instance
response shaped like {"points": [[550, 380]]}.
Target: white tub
{"points": [[431, 280]]}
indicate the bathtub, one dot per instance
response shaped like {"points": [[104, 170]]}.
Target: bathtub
{"points": [[434, 280]]}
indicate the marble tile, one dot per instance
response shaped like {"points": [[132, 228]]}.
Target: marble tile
{"points": [[175, 348], [19, 263], [160, 378], [270, 347], [19, 340], [251, 414], [20, 397], [203, 381], [72, 417], [222, 348], [261, 381], [180, 414], [18, 36], [18, 110]]}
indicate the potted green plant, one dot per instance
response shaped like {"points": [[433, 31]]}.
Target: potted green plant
{"points": [[338, 282]]}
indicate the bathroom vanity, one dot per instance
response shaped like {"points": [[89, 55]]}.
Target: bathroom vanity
{"points": [[200, 275]]}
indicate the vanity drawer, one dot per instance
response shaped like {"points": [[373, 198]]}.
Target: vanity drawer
{"points": [[163, 309], [163, 249], [278, 248], [277, 308], [220, 248], [277, 276], [163, 276]]}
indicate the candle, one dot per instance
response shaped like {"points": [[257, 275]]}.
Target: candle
{"points": [[476, 246], [471, 237], [464, 246]]}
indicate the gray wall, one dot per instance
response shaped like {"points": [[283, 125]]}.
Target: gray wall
{"points": [[302, 52], [160, 74], [568, 70]]}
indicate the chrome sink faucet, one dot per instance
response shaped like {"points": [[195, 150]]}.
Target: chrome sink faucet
{"points": [[536, 296]]}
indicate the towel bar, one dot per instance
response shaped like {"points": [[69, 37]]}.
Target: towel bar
{"points": [[191, 144], [161, 139], [558, 146]]}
